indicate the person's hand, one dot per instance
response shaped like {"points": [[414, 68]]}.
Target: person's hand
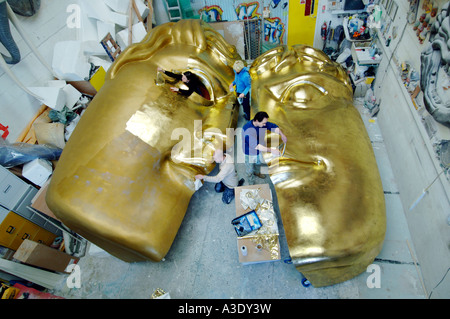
{"points": [[231, 88], [199, 176], [174, 89], [241, 95], [159, 69]]}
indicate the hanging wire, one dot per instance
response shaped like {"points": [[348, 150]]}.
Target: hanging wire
{"points": [[425, 191]]}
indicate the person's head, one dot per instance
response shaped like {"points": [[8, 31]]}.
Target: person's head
{"points": [[186, 76], [218, 156], [260, 119], [238, 65]]}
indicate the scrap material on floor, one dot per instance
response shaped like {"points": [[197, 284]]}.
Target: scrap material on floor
{"points": [[260, 244]]}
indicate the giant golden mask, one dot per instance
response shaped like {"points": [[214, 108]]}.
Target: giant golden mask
{"points": [[124, 180], [119, 182], [327, 183]]}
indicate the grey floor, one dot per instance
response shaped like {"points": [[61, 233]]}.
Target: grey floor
{"points": [[203, 261]]}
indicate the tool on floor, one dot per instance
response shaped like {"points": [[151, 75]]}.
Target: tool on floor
{"points": [[417, 268]]}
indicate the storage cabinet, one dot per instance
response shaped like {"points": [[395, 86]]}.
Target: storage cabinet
{"points": [[15, 229], [15, 194]]}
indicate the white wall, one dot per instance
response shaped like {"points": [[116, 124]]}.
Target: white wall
{"points": [[413, 159], [410, 149], [45, 28]]}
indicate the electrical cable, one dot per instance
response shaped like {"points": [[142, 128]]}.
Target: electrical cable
{"points": [[438, 283], [425, 190]]}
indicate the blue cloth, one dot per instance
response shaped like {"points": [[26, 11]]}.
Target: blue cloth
{"points": [[253, 135], [242, 81]]}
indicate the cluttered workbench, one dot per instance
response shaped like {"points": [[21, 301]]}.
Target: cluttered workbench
{"points": [[256, 225]]}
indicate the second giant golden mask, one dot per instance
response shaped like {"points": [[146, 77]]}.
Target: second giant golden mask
{"points": [[327, 183], [124, 179]]}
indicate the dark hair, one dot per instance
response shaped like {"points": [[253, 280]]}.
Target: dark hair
{"points": [[188, 75], [260, 116]]}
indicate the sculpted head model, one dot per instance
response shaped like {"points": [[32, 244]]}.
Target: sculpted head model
{"points": [[435, 63], [126, 175], [327, 182]]}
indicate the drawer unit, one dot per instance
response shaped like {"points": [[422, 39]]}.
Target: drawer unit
{"points": [[15, 229], [12, 189], [3, 213], [16, 196]]}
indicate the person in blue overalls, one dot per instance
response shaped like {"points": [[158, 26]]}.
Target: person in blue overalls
{"points": [[242, 81]]}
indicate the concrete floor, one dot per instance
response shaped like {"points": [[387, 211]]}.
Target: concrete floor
{"points": [[203, 261]]}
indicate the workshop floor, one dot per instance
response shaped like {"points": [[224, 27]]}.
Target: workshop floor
{"points": [[203, 261]]}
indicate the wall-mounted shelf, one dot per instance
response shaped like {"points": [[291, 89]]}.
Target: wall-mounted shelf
{"points": [[361, 55], [346, 12], [416, 112]]}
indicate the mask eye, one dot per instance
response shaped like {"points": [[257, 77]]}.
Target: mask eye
{"points": [[302, 92], [298, 92]]}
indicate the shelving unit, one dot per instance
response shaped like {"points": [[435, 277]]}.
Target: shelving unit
{"points": [[417, 111], [423, 189]]}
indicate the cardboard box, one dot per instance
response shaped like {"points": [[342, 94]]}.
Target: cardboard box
{"points": [[38, 202], [36, 254], [263, 244]]}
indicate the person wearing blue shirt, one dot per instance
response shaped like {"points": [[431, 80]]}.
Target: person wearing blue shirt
{"points": [[242, 81], [253, 143]]}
